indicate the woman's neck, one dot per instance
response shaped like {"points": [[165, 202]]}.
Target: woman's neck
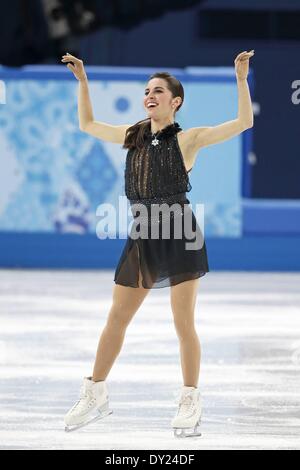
{"points": [[159, 126]]}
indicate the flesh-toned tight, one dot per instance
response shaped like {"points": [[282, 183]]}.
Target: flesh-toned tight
{"points": [[126, 302]]}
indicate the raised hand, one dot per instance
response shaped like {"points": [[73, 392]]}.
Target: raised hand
{"points": [[242, 64], [75, 65]]}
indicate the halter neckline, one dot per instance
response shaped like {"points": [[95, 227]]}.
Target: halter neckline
{"points": [[168, 131]]}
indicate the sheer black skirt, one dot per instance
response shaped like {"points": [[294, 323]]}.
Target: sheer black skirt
{"points": [[167, 247]]}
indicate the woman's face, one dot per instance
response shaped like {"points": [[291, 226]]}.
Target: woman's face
{"points": [[164, 104]]}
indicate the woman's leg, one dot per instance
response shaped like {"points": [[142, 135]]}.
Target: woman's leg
{"points": [[183, 300], [126, 301]]}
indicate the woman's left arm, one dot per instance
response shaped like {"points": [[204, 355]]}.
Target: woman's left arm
{"points": [[203, 136]]}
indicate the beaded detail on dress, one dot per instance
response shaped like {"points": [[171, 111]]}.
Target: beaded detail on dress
{"points": [[156, 171], [156, 174]]}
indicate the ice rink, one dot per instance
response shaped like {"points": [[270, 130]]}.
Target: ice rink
{"points": [[249, 328]]}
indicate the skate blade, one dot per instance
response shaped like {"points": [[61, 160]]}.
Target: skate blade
{"points": [[69, 429], [188, 432], [182, 433]]}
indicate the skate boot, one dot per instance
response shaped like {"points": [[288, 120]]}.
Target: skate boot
{"points": [[91, 406], [188, 417]]}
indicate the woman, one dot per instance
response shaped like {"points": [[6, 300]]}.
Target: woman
{"points": [[160, 155]]}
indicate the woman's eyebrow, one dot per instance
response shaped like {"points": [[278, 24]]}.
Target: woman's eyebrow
{"points": [[155, 88]]}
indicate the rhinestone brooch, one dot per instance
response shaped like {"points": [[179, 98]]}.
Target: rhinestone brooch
{"points": [[155, 142]]}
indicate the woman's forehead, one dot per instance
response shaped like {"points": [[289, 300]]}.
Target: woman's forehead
{"points": [[156, 82]]}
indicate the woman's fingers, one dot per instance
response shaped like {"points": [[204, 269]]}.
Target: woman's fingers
{"points": [[69, 57], [243, 59], [240, 55], [244, 55], [247, 55]]}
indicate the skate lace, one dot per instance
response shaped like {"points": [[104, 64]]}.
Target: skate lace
{"points": [[86, 399], [186, 404]]}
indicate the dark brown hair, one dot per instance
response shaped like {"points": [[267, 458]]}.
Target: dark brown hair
{"points": [[135, 134]]}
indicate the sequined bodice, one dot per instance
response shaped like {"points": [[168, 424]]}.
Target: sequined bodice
{"points": [[156, 170]]}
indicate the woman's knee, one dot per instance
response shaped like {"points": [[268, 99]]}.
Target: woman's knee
{"points": [[185, 327]]}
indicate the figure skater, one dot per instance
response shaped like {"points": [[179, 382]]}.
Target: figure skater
{"points": [[159, 158]]}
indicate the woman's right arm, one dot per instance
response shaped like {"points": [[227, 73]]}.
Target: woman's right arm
{"points": [[87, 123]]}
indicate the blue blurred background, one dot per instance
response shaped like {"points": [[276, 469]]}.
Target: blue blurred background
{"points": [[53, 177]]}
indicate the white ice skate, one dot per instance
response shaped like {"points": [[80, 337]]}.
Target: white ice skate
{"points": [[91, 406], [188, 417]]}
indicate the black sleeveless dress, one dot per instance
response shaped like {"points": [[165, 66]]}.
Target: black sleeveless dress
{"points": [[156, 175]]}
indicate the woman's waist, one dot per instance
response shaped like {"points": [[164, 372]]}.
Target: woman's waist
{"points": [[157, 209], [167, 199]]}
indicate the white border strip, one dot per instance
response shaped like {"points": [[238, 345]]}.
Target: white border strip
{"points": [[2, 92]]}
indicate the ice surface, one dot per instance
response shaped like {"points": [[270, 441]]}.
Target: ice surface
{"points": [[248, 325]]}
